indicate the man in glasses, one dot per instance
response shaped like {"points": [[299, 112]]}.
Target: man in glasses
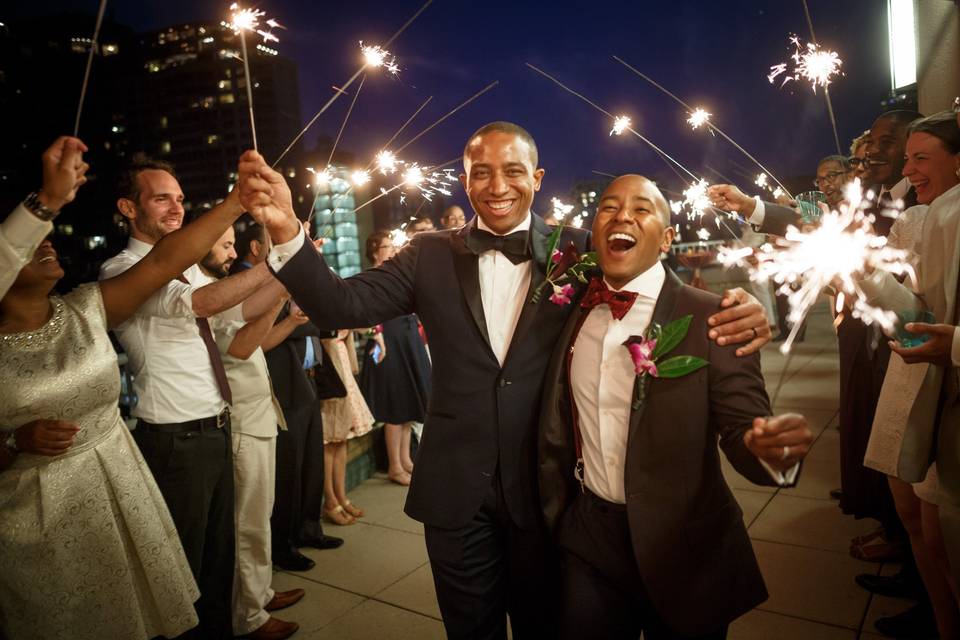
{"points": [[833, 174]]}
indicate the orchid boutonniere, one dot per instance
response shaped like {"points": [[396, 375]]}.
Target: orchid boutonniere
{"points": [[562, 267], [647, 350]]}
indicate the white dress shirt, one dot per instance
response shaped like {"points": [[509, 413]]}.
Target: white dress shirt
{"points": [[602, 377], [173, 377], [20, 235], [503, 290], [503, 285]]}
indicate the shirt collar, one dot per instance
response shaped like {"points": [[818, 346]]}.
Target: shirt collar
{"points": [[648, 284], [523, 226], [899, 190], [138, 248]]}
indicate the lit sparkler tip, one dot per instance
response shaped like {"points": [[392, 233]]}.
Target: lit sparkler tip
{"points": [[696, 197], [360, 177], [398, 236], [560, 209], [698, 118], [620, 124], [413, 176], [386, 162], [321, 177], [761, 180], [242, 19], [376, 56], [811, 63]]}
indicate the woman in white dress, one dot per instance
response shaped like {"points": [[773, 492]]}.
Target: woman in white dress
{"points": [[87, 546], [933, 168]]}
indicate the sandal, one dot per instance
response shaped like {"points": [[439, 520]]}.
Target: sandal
{"points": [[337, 515], [352, 509], [402, 478]]}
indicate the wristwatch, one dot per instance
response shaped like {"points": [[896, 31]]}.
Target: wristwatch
{"points": [[11, 442], [34, 206]]}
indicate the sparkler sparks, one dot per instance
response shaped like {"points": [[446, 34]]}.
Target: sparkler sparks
{"points": [[838, 252], [811, 63], [322, 177], [413, 176], [398, 236], [242, 19], [560, 209], [703, 234], [360, 177], [620, 124], [386, 162], [695, 196], [375, 57], [761, 180], [698, 118]]}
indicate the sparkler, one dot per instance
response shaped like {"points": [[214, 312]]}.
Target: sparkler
{"points": [[376, 56], [386, 162], [450, 113], [620, 124], [811, 63], [695, 196], [241, 21], [698, 118], [338, 92], [706, 121], [840, 250], [86, 73], [360, 177], [345, 118], [826, 90]]}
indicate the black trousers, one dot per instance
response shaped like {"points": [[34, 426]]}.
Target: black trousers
{"points": [[299, 480], [491, 568], [194, 470], [603, 594]]}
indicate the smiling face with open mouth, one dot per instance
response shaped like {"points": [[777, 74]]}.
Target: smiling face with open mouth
{"points": [[501, 178], [631, 228], [159, 210], [885, 147], [930, 166], [43, 270]]}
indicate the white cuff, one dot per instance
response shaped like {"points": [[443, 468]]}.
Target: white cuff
{"points": [[955, 350], [759, 211], [280, 254], [782, 478], [24, 231]]}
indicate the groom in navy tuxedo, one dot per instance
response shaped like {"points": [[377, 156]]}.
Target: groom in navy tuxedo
{"points": [[475, 480]]}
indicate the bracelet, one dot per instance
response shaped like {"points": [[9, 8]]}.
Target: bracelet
{"points": [[377, 330], [33, 205]]}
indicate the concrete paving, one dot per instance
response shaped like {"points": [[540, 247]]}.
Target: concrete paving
{"points": [[378, 584]]}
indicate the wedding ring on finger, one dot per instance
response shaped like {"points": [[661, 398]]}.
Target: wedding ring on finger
{"points": [[755, 334], [786, 453]]}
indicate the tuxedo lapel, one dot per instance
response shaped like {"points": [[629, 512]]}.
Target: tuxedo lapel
{"points": [[663, 313], [467, 266]]}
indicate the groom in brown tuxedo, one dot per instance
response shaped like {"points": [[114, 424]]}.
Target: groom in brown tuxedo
{"points": [[653, 539]]}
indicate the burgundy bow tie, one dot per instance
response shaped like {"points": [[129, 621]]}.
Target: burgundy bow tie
{"points": [[618, 301]]}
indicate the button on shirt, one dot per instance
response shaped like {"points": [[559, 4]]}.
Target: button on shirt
{"points": [[173, 377], [602, 377]]}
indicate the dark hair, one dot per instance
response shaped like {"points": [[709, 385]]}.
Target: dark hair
{"points": [[942, 125], [253, 231], [844, 161], [502, 126], [127, 184], [902, 117], [373, 243], [422, 218]]}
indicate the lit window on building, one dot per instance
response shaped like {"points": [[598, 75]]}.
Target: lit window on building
{"points": [[109, 49], [208, 102], [93, 242], [153, 66], [65, 229], [225, 85], [165, 147], [213, 138], [208, 40], [292, 172], [335, 219], [164, 122], [226, 54], [118, 128], [80, 45], [226, 98]]}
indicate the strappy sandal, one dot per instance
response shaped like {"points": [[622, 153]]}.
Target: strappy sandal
{"points": [[339, 516], [352, 509]]}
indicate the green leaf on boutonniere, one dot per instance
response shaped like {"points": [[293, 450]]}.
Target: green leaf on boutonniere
{"points": [[679, 366], [671, 335], [552, 243]]}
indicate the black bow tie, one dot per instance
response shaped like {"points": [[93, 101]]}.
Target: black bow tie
{"points": [[513, 245]]}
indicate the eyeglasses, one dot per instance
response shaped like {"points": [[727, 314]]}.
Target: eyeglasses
{"points": [[855, 162], [830, 177]]}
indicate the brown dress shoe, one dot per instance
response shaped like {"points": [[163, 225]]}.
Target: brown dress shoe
{"points": [[274, 629], [284, 599]]}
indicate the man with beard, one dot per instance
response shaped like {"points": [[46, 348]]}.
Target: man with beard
{"points": [[475, 481], [183, 420], [254, 418]]}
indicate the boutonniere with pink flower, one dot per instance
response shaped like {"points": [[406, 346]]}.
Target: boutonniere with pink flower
{"points": [[563, 266], [647, 351]]}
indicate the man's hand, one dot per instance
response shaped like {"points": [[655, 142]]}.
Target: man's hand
{"points": [[743, 320], [46, 437], [730, 198], [936, 350], [779, 441], [297, 316], [64, 171], [265, 195]]}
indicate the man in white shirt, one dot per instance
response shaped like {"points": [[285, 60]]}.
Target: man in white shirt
{"points": [[254, 418], [64, 171], [475, 481], [183, 394], [630, 478]]}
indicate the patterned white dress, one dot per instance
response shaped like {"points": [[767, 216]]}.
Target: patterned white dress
{"points": [[87, 546]]}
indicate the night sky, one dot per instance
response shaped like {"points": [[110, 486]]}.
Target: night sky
{"points": [[712, 54]]}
